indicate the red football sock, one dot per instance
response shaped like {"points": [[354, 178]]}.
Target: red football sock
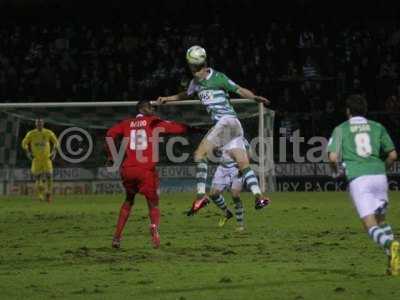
{"points": [[154, 215], [123, 217]]}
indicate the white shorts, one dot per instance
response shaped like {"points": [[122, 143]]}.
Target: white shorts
{"points": [[227, 178], [370, 194], [226, 129], [236, 143]]}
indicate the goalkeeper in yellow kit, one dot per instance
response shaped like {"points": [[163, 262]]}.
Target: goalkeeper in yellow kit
{"points": [[41, 146]]}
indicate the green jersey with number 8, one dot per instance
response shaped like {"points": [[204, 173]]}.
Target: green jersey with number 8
{"points": [[213, 92], [360, 144]]}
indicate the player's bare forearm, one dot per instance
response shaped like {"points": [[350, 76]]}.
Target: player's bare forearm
{"points": [[53, 152], [333, 161], [247, 94], [334, 167], [391, 158], [338, 170], [56, 144], [177, 97]]}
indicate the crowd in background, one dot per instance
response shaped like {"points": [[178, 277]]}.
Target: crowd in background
{"points": [[306, 63], [123, 61], [301, 69]]}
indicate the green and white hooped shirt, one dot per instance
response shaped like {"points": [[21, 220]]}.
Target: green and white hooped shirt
{"points": [[213, 92]]}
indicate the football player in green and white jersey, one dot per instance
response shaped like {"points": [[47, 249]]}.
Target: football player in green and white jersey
{"points": [[213, 88], [227, 176], [359, 145]]}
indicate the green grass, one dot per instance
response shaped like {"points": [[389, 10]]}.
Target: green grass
{"points": [[304, 246]]}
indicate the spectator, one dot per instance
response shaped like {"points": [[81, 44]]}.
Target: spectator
{"points": [[131, 61], [306, 39], [310, 69], [392, 104], [388, 68], [291, 72]]}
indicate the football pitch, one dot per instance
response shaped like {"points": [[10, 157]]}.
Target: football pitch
{"points": [[303, 246]]}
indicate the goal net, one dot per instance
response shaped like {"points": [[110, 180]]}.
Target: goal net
{"points": [[81, 126]]}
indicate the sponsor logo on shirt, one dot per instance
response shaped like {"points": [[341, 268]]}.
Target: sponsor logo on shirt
{"points": [[206, 96]]}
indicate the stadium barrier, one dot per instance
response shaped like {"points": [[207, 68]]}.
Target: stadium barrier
{"points": [[175, 178]]}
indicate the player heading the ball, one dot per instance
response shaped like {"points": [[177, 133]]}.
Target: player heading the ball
{"points": [[213, 88]]}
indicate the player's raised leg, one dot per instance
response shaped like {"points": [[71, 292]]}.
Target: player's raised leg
{"points": [[249, 177], [200, 158]]}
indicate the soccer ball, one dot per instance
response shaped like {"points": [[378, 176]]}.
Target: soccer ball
{"points": [[196, 55]]}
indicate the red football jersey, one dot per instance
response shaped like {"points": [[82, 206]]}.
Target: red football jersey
{"points": [[141, 135]]}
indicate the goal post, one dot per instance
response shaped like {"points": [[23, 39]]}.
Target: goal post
{"points": [[62, 113], [267, 177]]}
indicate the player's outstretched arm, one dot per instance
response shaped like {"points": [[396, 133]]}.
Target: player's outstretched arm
{"points": [[177, 97], [247, 94], [172, 127]]}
